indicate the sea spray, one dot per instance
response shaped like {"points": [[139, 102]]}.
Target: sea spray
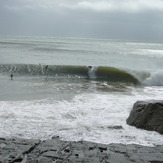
{"points": [[92, 72], [155, 79]]}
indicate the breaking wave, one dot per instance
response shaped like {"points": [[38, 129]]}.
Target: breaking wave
{"points": [[155, 79], [95, 73], [110, 74]]}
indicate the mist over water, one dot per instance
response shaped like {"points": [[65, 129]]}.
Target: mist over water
{"points": [[69, 99]]}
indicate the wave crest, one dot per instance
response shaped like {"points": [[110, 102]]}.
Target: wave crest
{"points": [[95, 73], [155, 79]]}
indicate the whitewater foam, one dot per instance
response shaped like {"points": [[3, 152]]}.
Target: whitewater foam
{"points": [[155, 79], [89, 117]]}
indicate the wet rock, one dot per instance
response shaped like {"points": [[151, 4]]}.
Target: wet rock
{"points": [[114, 127], [147, 115], [14, 150], [58, 151]]}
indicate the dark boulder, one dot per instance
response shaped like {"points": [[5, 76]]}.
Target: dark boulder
{"points": [[147, 115]]}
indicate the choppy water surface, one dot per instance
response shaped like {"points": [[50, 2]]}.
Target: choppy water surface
{"points": [[66, 98]]}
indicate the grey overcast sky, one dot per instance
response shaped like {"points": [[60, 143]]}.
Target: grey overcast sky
{"points": [[110, 19]]}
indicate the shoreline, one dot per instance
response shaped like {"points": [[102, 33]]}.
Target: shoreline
{"points": [[18, 150]]}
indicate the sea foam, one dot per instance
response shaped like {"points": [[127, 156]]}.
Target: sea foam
{"points": [[94, 117]]}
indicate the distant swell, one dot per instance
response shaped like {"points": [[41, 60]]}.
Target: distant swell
{"points": [[95, 73]]}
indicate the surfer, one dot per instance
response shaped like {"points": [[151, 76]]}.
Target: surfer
{"points": [[46, 71], [11, 76], [90, 72], [89, 67]]}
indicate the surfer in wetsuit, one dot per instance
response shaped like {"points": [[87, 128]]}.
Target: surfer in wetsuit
{"points": [[89, 71], [89, 67], [46, 70], [11, 76]]}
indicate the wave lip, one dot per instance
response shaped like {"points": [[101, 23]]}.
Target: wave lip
{"points": [[110, 74], [155, 79]]}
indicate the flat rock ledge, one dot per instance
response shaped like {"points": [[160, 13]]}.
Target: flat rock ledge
{"points": [[147, 115], [57, 151]]}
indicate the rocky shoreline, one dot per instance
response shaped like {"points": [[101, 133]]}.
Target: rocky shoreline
{"points": [[146, 115], [58, 151]]}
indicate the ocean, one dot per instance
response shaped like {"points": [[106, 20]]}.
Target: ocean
{"points": [[77, 88]]}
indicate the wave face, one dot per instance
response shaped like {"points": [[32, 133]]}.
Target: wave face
{"points": [[104, 73], [94, 73]]}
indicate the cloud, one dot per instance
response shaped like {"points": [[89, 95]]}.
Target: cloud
{"points": [[116, 5], [122, 19], [22, 5], [92, 5]]}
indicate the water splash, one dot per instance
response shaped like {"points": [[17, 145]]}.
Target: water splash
{"points": [[156, 79]]}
